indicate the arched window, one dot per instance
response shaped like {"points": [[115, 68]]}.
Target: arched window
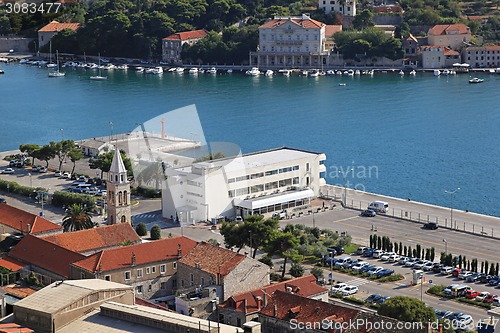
{"points": [[120, 198], [111, 219], [116, 178], [123, 219], [125, 197], [121, 176]]}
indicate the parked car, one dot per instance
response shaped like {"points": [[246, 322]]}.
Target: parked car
{"points": [[368, 252], [460, 290], [378, 253], [373, 298], [350, 290], [484, 278], [386, 256], [66, 175], [375, 270], [383, 299], [368, 213], [447, 270], [58, 173], [360, 250], [8, 171], [473, 277], [3, 201], [339, 249], [385, 272], [464, 275], [457, 271], [494, 281], [403, 260], [342, 261], [496, 302], [490, 298], [42, 170], [367, 268], [428, 266], [279, 215], [482, 296], [419, 264], [394, 258], [471, 294], [359, 265], [448, 290], [411, 262], [437, 267], [442, 314], [339, 287], [463, 320]]}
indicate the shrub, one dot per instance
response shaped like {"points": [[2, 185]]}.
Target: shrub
{"points": [[146, 192], [437, 290], [267, 260], [297, 270], [392, 278], [68, 199], [317, 272], [354, 300], [276, 277], [155, 232], [474, 302], [141, 229]]}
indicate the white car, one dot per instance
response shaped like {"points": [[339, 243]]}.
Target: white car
{"points": [[386, 256], [419, 264], [339, 287], [411, 262], [394, 258], [350, 290], [482, 296], [464, 275], [66, 175], [359, 265], [375, 270], [403, 260], [428, 266], [378, 253], [58, 173], [8, 171], [464, 320]]}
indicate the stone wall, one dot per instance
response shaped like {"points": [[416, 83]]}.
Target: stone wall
{"points": [[250, 274], [18, 44]]}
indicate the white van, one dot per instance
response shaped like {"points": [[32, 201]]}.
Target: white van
{"points": [[379, 206]]}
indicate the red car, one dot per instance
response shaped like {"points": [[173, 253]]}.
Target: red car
{"points": [[490, 298], [457, 271], [471, 294]]}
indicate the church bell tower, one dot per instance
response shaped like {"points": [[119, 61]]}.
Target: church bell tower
{"points": [[118, 191]]}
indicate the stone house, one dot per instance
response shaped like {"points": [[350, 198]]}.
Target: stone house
{"points": [[228, 272], [436, 57], [482, 56], [151, 267], [452, 36], [244, 307], [172, 45], [48, 31]]}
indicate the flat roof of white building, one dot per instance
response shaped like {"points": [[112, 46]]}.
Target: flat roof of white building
{"points": [[258, 159]]}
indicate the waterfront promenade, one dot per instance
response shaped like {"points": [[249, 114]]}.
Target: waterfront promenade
{"points": [[418, 212]]}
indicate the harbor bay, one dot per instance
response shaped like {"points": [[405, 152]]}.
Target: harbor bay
{"points": [[408, 137]]}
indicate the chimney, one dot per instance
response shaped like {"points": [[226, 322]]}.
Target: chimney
{"points": [[28, 228], [265, 298], [179, 251], [133, 259], [275, 310]]}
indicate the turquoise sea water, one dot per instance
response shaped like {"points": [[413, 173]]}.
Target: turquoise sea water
{"points": [[403, 136]]}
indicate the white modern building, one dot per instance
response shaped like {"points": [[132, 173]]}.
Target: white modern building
{"points": [[344, 7], [261, 182]]}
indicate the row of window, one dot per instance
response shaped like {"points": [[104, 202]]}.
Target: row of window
{"points": [[148, 270], [482, 52], [163, 286], [290, 49], [267, 173], [261, 187], [482, 58], [289, 37]]}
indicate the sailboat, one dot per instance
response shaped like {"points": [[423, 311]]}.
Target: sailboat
{"points": [[51, 64], [57, 73], [99, 77]]}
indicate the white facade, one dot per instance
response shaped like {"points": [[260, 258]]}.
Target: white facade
{"points": [[344, 7], [261, 182]]}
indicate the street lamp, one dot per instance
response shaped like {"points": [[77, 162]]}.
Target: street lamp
{"points": [[62, 134], [331, 271], [344, 174], [451, 193], [445, 247]]}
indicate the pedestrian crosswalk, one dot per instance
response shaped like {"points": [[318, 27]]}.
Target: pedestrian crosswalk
{"points": [[145, 216], [357, 282]]}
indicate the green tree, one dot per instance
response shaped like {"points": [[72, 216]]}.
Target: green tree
{"points": [[492, 269], [267, 260], [281, 244], [155, 232], [297, 270], [141, 229], [210, 157], [318, 273], [62, 150], [233, 235], [5, 28], [77, 218], [259, 231], [103, 162], [75, 155], [30, 149], [363, 20], [213, 241], [407, 309], [45, 153]]}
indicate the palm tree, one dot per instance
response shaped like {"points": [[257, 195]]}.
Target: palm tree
{"points": [[77, 218]]}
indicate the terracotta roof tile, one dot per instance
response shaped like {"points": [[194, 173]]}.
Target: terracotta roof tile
{"points": [[304, 22], [95, 238], [46, 255], [285, 306], [19, 219], [492, 48], [18, 291], [212, 259], [253, 301], [140, 301], [332, 29], [445, 29], [450, 52], [186, 35], [12, 264], [55, 26], [150, 252]]}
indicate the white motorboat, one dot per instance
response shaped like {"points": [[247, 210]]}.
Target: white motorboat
{"points": [[213, 70], [154, 70], [171, 69], [401, 72], [476, 80], [229, 71], [330, 72], [413, 72], [338, 72], [201, 71], [139, 69], [179, 70], [445, 72], [350, 72], [253, 72], [122, 67], [193, 70], [269, 73], [357, 72], [314, 73], [437, 72]]}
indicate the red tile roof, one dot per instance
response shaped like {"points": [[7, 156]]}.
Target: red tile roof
{"points": [[142, 302], [285, 306], [332, 29], [46, 255], [186, 35], [492, 48], [450, 52], [95, 238], [253, 301], [445, 29], [55, 26], [12, 264], [212, 259], [150, 252], [19, 219], [304, 22], [18, 291]]}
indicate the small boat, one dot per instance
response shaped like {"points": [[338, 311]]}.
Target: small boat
{"points": [[201, 71], [139, 69], [305, 73], [99, 77], [154, 70], [253, 72], [179, 70], [401, 72], [342, 84], [213, 70], [193, 70], [122, 67], [2, 72], [330, 72], [57, 73], [229, 71], [413, 72], [437, 72], [357, 72], [476, 80], [314, 73], [350, 72], [453, 72], [285, 72], [445, 72], [173, 69], [338, 72], [269, 73]]}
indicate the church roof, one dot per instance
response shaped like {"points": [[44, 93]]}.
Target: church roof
{"points": [[117, 165]]}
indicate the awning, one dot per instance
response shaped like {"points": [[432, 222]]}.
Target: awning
{"points": [[276, 199]]}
